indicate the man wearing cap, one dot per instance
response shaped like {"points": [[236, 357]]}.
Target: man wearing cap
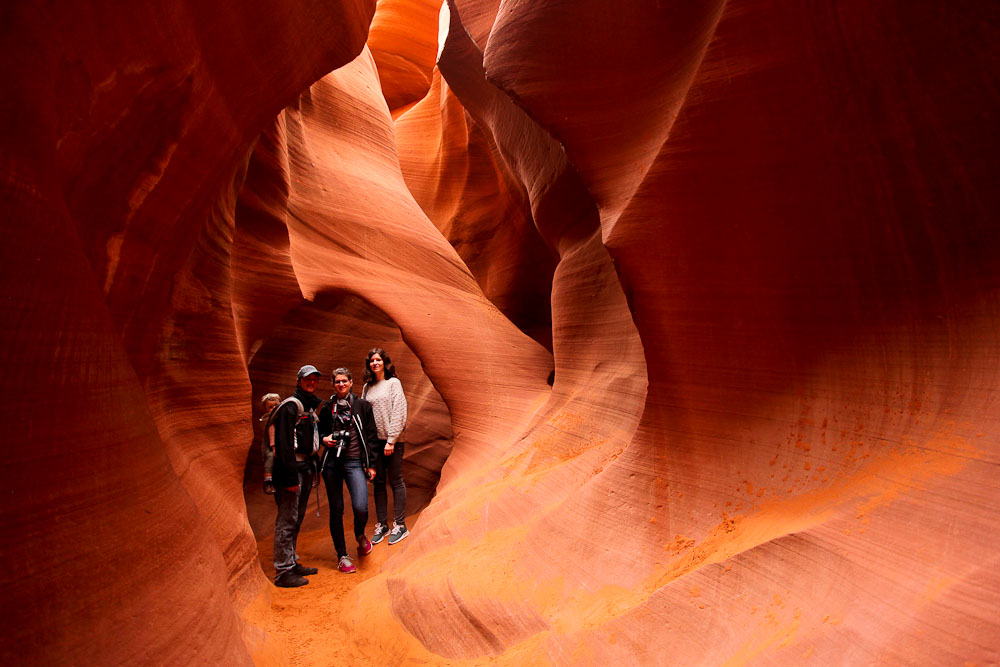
{"points": [[296, 441]]}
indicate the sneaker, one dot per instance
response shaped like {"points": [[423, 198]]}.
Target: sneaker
{"points": [[303, 571], [290, 580], [346, 566], [381, 531], [269, 487], [398, 532], [364, 545]]}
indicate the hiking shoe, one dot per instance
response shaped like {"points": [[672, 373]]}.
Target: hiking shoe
{"points": [[268, 487], [303, 571], [381, 530], [290, 580], [398, 532], [364, 545], [346, 566]]}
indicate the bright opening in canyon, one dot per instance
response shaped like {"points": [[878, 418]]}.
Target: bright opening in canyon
{"points": [[696, 306]]}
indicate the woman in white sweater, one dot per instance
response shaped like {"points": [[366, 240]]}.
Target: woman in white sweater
{"points": [[385, 393]]}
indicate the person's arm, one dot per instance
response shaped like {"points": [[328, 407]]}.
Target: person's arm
{"points": [[370, 435], [397, 412], [326, 422], [284, 474]]}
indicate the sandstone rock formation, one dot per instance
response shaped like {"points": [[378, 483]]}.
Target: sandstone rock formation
{"points": [[126, 130], [699, 300]]}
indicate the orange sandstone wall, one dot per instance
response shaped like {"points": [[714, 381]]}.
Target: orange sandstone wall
{"points": [[775, 230], [703, 295], [125, 132]]}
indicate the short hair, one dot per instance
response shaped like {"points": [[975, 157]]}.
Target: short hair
{"points": [[390, 370], [342, 371], [269, 397]]}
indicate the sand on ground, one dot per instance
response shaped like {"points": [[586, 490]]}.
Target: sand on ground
{"points": [[301, 623]]}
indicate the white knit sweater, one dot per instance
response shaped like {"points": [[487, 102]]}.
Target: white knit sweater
{"points": [[389, 406]]}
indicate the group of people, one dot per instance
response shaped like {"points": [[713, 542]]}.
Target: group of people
{"points": [[345, 439]]}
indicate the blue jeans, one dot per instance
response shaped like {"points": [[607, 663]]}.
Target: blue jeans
{"points": [[291, 512], [336, 472]]}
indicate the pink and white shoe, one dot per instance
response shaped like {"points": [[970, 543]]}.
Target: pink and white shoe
{"points": [[346, 566], [364, 545]]}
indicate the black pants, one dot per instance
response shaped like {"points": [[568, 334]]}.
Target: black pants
{"points": [[390, 467]]}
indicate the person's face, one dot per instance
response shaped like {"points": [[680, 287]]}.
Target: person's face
{"points": [[309, 383], [342, 385], [270, 404], [375, 363]]}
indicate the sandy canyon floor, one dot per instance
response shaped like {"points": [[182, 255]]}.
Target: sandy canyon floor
{"points": [[301, 623]]}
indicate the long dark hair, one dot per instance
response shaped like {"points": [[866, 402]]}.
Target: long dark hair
{"points": [[390, 370]]}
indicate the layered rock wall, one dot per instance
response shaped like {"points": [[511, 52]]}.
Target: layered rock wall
{"points": [[702, 298], [126, 130]]}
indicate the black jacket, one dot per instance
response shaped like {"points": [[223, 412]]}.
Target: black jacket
{"points": [[364, 422], [289, 432]]}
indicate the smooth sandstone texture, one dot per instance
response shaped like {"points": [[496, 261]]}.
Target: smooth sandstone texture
{"points": [[125, 135], [403, 42], [702, 297], [768, 439], [457, 174]]}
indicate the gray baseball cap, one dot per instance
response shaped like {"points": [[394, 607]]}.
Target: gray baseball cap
{"points": [[309, 369]]}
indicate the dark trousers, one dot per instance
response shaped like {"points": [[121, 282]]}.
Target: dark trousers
{"points": [[391, 468], [335, 474], [291, 512]]}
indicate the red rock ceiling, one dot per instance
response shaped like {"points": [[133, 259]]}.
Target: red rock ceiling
{"points": [[756, 243]]}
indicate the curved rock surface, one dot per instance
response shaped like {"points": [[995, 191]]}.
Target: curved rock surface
{"points": [[403, 41], [704, 300], [125, 134]]}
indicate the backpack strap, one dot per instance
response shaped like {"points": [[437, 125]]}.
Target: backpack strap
{"points": [[297, 402], [270, 420], [302, 413]]}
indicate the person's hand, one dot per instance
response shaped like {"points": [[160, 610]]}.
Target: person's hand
{"points": [[328, 440], [371, 473], [389, 447]]}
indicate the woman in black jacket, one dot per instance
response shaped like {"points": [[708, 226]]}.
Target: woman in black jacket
{"points": [[348, 431]]}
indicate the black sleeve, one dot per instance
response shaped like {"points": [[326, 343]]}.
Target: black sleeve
{"points": [[285, 419], [326, 419], [371, 431]]}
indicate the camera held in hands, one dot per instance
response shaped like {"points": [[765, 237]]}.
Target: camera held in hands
{"points": [[341, 434], [341, 438]]}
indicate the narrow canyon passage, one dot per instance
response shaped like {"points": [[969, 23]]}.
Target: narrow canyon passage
{"points": [[697, 306]]}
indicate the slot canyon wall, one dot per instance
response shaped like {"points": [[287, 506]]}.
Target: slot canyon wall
{"points": [[699, 301]]}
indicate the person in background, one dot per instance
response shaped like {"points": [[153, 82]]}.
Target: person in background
{"points": [[347, 428], [385, 393], [269, 402], [296, 442]]}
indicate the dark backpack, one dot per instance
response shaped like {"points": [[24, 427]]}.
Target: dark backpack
{"points": [[302, 415]]}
